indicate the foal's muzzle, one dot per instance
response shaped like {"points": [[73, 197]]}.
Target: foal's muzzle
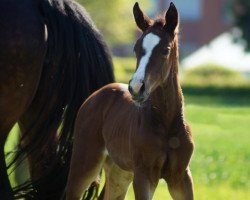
{"points": [[137, 90]]}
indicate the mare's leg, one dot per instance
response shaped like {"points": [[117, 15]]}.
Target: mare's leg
{"points": [[5, 187], [88, 154], [116, 183], [144, 184], [22, 49]]}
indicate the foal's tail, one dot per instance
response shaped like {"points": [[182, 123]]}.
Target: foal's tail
{"points": [[77, 63]]}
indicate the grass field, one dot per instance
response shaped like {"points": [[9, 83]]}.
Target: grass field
{"points": [[221, 130]]}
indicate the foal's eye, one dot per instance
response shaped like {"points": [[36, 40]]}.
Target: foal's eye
{"points": [[166, 51]]}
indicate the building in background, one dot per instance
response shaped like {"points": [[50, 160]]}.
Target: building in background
{"points": [[223, 51], [200, 20]]}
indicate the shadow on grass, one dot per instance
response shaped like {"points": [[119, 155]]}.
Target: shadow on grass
{"points": [[217, 96]]}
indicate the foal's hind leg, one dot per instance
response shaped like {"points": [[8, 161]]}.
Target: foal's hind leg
{"points": [[86, 163], [116, 183], [87, 157]]}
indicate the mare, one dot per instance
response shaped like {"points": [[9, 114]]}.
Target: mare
{"points": [[137, 132], [52, 58]]}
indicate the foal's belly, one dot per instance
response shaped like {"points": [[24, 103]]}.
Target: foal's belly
{"points": [[117, 155], [128, 148], [119, 146]]}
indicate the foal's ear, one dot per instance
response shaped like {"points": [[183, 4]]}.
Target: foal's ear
{"points": [[172, 19], [141, 19]]}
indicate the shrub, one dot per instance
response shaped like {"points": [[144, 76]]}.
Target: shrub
{"points": [[213, 75], [124, 68]]}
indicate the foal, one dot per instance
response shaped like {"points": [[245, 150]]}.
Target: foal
{"points": [[139, 134]]}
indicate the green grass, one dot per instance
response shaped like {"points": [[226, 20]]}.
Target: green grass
{"points": [[221, 159], [220, 121]]}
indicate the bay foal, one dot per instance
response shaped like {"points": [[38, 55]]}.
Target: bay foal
{"points": [[139, 134]]}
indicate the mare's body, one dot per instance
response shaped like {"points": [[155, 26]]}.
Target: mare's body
{"points": [[51, 58], [137, 132]]}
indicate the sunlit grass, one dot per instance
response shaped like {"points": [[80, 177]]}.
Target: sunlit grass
{"points": [[222, 156]]}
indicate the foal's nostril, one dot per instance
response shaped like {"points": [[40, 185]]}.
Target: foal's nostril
{"points": [[130, 89], [142, 89], [136, 89]]}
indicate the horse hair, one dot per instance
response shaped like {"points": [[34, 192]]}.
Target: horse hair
{"points": [[77, 63]]}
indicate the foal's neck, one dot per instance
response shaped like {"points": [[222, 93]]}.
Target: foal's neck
{"points": [[167, 99]]}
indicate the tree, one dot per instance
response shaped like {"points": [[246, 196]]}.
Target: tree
{"points": [[114, 18], [242, 19]]}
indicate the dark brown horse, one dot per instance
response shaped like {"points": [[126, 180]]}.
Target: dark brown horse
{"points": [[137, 134], [51, 58]]}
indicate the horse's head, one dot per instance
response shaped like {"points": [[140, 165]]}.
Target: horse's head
{"points": [[153, 51]]}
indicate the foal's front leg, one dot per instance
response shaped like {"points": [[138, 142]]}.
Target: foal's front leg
{"points": [[178, 175], [181, 186], [144, 185]]}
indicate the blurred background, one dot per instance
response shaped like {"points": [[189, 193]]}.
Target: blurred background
{"points": [[215, 75]]}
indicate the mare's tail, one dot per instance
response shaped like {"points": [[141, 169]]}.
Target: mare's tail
{"points": [[77, 63]]}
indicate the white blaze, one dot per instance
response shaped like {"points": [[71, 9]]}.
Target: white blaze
{"points": [[148, 44]]}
